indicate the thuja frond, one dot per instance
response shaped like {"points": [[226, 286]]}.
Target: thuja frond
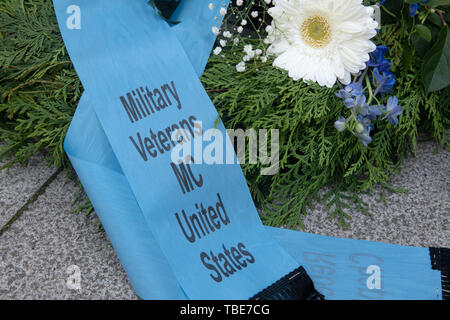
{"points": [[342, 204], [39, 91], [39, 88], [313, 155]]}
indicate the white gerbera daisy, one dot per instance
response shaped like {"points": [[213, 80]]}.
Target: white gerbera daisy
{"points": [[322, 40]]}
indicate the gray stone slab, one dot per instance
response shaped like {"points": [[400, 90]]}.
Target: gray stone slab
{"points": [[19, 183], [420, 217], [38, 249]]}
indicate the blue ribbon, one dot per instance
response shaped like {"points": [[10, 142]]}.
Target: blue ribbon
{"points": [[123, 45]]}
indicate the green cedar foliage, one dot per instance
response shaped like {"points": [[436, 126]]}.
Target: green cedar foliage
{"points": [[39, 88], [39, 91]]}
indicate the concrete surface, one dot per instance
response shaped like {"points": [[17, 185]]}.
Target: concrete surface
{"points": [[19, 184], [419, 218], [38, 249]]}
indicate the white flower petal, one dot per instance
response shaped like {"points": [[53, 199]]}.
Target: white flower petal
{"points": [[345, 51]]}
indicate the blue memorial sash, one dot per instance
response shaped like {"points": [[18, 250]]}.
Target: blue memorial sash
{"points": [[123, 46]]}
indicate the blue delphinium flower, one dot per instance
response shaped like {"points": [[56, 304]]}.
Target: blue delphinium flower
{"points": [[354, 89], [363, 129], [361, 121], [355, 99], [340, 124], [374, 112], [393, 110], [413, 9], [364, 138], [377, 59], [385, 65], [384, 81], [366, 122], [356, 103]]}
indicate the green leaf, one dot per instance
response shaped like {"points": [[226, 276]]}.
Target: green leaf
{"points": [[420, 45], [391, 11], [435, 3], [424, 32], [436, 66], [430, 3], [407, 57], [435, 19]]}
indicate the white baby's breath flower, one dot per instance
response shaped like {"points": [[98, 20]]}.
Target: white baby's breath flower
{"points": [[322, 40], [239, 2], [227, 34], [211, 6], [217, 50], [223, 43], [222, 11], [243, 22], [236, 40], [215, 30], [240, 29], [248, 48], [254, 14], [269, 39], [258, 52], [240, 67]]}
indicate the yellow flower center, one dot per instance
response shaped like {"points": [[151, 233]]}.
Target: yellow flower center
{"points": [[316, 31]]}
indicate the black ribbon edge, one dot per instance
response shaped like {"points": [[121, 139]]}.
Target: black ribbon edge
{"points": [[440, 260], [297, 285]]}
